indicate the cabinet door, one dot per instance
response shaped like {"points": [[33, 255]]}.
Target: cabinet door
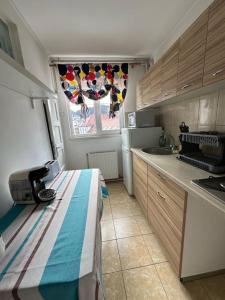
{"points": [[139, 104], [146, 88], [191, 55], [215, 46], [156, 83], [140, 182], [169, 72]]}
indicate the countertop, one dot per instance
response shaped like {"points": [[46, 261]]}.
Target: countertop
{"points": [[181, 173]]}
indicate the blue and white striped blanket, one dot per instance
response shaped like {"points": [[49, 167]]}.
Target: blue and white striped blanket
{"points": [[54, 251]]}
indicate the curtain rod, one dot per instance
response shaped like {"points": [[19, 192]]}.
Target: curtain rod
{"points": [[133, 61]]}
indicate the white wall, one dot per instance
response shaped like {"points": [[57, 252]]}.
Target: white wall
{"points": [[76, 149], [23, 132], [34, 55]]}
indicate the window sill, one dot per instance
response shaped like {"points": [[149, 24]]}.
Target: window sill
{"points": [[95, 136]]}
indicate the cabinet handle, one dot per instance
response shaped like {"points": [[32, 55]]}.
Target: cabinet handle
{"points": [[161, 197], [186, 86], [218, 72]]}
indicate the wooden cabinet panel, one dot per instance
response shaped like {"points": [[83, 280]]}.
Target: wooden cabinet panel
{"points": [[174, 191], [169, 72], [139, 104], [173, 212], [156, 83], [166, 213], [140, 192], [146, 88], [166, 235], [215, 47], [140, 174], [191, 56], [141, 168]]}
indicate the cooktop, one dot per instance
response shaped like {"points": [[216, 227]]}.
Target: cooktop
{"points": [[213, 185]]}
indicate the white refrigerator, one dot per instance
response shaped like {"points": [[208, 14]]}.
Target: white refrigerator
{"points": [[136, 138]]}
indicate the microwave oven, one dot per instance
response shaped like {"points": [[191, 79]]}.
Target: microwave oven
{"points": [[139, 119]]}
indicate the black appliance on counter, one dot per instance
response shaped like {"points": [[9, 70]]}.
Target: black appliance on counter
{"points": [[205, 150], [213, 185]]}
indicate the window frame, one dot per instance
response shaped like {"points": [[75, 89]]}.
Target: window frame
{"points": [[99, 132]]}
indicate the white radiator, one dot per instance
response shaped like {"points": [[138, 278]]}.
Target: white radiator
{"points": [[107, 162]]}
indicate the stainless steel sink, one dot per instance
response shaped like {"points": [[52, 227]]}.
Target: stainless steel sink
{"points": [[158, 150]]}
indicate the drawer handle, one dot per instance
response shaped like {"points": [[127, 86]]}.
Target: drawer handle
{"points": [[160, 196], [186, 86], [218, 72]]}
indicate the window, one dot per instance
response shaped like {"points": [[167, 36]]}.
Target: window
{"points": [[97, 121]]}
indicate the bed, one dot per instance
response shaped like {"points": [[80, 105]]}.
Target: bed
{"points": [[54, 251]]}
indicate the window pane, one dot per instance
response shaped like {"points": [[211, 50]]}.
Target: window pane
{"points": [[82, 125], [108, 123]]}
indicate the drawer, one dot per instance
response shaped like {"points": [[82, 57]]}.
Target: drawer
{"points": [[140, 191], [167, 186], [166, 235], [173, 219]]}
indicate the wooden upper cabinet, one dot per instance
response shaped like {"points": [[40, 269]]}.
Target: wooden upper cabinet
{"points": [[192, 55], [146, 88], [169, 72], [139, 95], [156, 82], [215, 46]]}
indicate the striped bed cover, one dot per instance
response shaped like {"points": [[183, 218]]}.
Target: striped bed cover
{"points": [[54, 251]]}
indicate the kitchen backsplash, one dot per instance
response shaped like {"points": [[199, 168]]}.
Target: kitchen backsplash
{"points": [[201, 113]]}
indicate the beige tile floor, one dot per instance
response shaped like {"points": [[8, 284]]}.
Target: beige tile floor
{"points": [[134, 262]]}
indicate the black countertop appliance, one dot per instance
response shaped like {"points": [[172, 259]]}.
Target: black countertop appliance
{"points": [[205, 150]]}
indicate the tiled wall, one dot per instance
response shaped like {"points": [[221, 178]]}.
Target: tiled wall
{"points": [[201, 113]]}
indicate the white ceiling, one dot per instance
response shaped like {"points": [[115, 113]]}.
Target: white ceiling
{"points": [[102, 27]]}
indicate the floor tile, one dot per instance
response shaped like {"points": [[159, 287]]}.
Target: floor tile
{"points": [[143, 224], [108, 232], [106, 200], [155, 248], [107, 213], [115, 187], [120, 210], [133, 252], [143, 284], [126, 227], [215, 286], [119, 197], [175, 289], [110, 256], [114, 286], [135, 208]]}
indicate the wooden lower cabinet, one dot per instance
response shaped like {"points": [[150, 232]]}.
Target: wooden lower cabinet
{"points": [[140, 192], [164, 204], [166, 213], [140, 173]]}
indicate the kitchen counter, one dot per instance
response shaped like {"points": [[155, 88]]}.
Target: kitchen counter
{"points": [[181, 173]]}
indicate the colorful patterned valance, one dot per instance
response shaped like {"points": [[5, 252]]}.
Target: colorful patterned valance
{"points": [[95, 81]]}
